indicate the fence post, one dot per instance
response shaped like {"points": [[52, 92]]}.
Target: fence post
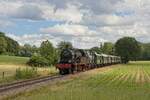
{"points": [[3, 75]]}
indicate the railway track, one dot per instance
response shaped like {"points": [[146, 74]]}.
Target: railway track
{"points": [[11, 89], [16, 85]]}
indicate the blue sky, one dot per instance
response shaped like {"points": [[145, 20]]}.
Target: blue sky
{"points": [[22, 26], [85, 23]]}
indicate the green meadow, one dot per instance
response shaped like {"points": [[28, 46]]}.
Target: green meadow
{"points": [[9, 64], [117, 82], [14, 60]]}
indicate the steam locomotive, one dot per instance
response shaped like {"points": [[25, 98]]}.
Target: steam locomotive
{"points": [[72, 60]]}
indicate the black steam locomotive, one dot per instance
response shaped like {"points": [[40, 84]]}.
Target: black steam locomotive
{"points": [[72, 60]]}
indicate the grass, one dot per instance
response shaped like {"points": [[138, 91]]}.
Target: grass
{"points": [[4, 59], [26, 73], [118, 82], [9, 64], [10, 71]]}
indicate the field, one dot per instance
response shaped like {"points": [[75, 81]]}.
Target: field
{"points": [[117, 82], [13, 60], [9, 64]]}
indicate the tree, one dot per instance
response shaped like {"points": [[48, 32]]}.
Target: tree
{"points": [[96, 49], [145, 54], [27, 50], [128, 48], [35, 49], [38, 61], [108, 48], [8, 45], [63, 45], [48, 51], [2, 34], [3, 45], [12, 46]]}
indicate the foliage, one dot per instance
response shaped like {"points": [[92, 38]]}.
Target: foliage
{"points": [[64, 45], [128, 48], [27, 50], [12, 46], [48, 51], [96, 49], [145, 55], [46, 56], [8, 45], [2, 34], [108, 48], [3, 45], [26, 73], [38, 61]]}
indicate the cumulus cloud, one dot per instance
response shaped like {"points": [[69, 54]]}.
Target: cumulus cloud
{"points": [[80, 36], [40, 11], [29, 11], [69, 29], [83, 22], [69, 14]]}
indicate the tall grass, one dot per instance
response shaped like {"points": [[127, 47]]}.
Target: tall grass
{"points": [[26, 73]]}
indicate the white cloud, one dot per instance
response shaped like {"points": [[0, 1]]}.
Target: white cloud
{"points": [[80, 36], [40, 11], [87, 41], [7, 9], [109, 20], [83, 22], [69, 14], [69, 29]]}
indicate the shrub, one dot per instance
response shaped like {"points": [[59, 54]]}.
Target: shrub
{"points": [[26, 73], [38, 61]]}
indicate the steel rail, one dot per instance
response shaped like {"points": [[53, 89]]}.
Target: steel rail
{"points": [[16, 85]]}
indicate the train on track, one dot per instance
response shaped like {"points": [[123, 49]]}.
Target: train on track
{"points": [[74, 60]]}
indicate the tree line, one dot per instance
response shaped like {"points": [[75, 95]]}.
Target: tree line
{"points": [[45, 55], [127, 47], [8, 46]]}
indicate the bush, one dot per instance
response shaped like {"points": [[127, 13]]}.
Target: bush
{"points": [[38, 61], [26, 73]]}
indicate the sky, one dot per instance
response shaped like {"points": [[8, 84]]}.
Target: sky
{"points": [[85, 23]]}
